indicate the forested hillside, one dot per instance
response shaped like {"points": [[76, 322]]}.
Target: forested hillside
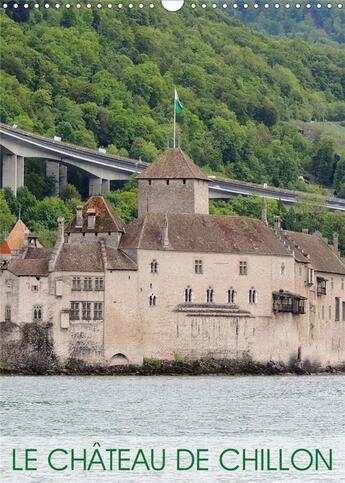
{"points": [[317, 25], [105, 78]]}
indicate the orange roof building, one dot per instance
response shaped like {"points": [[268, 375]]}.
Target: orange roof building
{"points": [[15, 242]]}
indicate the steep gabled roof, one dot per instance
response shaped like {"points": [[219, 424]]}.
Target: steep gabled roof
{"points": [[322, 257], [16, 238], [203, 233], [107, 220], [173, 164]]}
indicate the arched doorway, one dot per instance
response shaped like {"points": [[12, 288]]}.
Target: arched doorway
{"points": [[119, 359]]}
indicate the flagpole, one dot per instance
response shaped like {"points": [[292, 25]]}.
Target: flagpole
{"points": [[174, 117]]}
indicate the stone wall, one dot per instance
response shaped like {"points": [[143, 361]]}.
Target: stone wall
{"points": [[179, 196]]}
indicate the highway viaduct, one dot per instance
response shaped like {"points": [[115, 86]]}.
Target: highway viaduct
{"points": [[16, 145]]}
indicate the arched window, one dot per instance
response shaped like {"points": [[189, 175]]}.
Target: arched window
{"points": [[188, 294], [37, 312], [231, 296], [252, 296], [210, 295], [154, 266], [152, 300]]}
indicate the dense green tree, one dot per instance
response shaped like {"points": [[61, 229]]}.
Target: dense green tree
{"points": [[105, 78], [47, 211], [11, 201], [125, 203], [339, 177], [68, 192], [324, 161], [7, 219]]}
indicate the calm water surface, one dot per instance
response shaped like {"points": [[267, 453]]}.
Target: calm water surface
{"points": [[172, 412]]}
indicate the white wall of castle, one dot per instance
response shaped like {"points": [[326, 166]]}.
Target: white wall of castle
{"points": [[132, 327]]}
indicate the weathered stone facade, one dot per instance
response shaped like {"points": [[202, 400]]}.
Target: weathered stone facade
{"points": [[174, 284]]}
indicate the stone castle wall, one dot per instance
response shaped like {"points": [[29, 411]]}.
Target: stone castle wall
{"points": [[178, 196]]}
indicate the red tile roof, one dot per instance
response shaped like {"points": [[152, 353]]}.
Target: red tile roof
{"points": [[4, 248]]}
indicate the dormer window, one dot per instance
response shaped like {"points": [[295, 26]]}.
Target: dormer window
{"points": [[154, 266]]}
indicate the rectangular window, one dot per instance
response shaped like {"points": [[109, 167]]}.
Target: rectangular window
{"points": [[198, 266], [76, 283], [343, 311], [86, 310], [74, 311], [8, 313], [87, 283], [243, 268], [99, 283], [98, 311], [337, 309], [329, 313]]}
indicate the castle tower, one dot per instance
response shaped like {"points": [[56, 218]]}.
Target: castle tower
{"points": [[173, 183]]}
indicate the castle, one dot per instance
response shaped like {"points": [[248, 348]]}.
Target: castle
{"points": [[177, 282]]}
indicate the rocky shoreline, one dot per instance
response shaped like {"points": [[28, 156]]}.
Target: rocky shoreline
{"points": [[153, 367]]}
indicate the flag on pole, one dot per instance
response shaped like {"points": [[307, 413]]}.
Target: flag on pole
{"points": [[178, 103]]}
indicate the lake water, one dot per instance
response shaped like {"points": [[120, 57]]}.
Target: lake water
{"points": [[213, 413]]}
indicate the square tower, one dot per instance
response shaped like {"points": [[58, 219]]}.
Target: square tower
{"points": [[173, 183]]}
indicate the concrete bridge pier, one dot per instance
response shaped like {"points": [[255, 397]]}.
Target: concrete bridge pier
{"points": [[59, 173], [12, 171], [52, 170], [97, 185], [62, 176]]}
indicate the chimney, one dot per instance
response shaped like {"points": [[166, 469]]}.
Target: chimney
{"points": [[91, 219], [166, 233], [61, 228], [58, 244], [277, 223], [305, 230], [26, 237], [336, 242], [264, 211], [79, 220]]}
